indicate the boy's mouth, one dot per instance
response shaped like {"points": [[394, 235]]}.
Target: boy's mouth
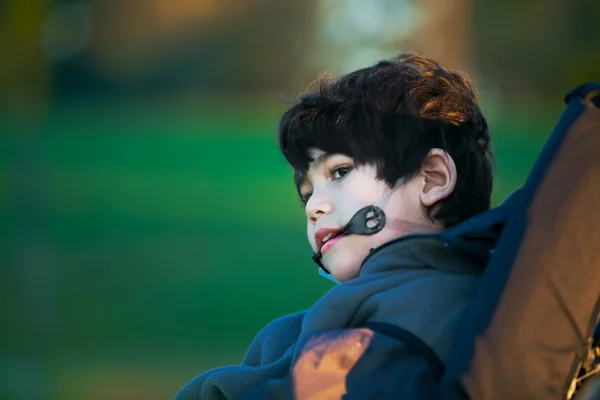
{"points": [[327, 236]]}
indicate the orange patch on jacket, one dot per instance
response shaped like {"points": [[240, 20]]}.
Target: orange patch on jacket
{"points": [[326, 359]]}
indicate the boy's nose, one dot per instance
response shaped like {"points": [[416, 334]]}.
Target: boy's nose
{"points": [[317, 207]]}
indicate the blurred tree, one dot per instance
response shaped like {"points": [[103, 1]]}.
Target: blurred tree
{"points": [[351, 34], [23, 70], [537, 50], [182, 45], [354, 33], [443, 33]]}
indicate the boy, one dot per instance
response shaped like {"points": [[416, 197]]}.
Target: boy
{"points": [[385, 158]]}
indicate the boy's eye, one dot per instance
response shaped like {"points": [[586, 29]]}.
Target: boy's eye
{"points": [[340, 172]]}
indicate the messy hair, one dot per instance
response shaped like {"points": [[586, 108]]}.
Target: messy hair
{"points": [[391, 115]]}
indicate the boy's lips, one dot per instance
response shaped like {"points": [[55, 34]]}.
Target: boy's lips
{"points": [[324, 235], [330, 243]]}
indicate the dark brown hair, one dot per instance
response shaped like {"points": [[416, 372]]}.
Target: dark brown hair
{"points": [[391, 115]]}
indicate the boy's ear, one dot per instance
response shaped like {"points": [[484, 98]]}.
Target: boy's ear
{"points": [[439, 177]]}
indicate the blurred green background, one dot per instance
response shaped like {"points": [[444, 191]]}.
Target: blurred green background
{"points": [[149, 225]]}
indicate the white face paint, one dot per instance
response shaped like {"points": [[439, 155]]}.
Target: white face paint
{"points": [[334, 189]]}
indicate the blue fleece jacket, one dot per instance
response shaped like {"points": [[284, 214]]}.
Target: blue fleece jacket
{"points": [[418, 284]]}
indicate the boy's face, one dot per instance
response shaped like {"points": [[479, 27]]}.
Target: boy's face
{"points": [[334, 189]]}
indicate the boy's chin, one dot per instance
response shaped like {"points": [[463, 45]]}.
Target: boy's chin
{"points": [[343, 266]]}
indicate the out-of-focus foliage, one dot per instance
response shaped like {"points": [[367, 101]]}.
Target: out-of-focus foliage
{"points": [[535, 51]]}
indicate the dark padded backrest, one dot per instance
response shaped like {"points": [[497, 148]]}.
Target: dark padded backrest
{"points": [[537, 303]]}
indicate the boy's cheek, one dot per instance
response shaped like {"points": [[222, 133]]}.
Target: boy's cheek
{"points": [[310, 235], [311, 241]]}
